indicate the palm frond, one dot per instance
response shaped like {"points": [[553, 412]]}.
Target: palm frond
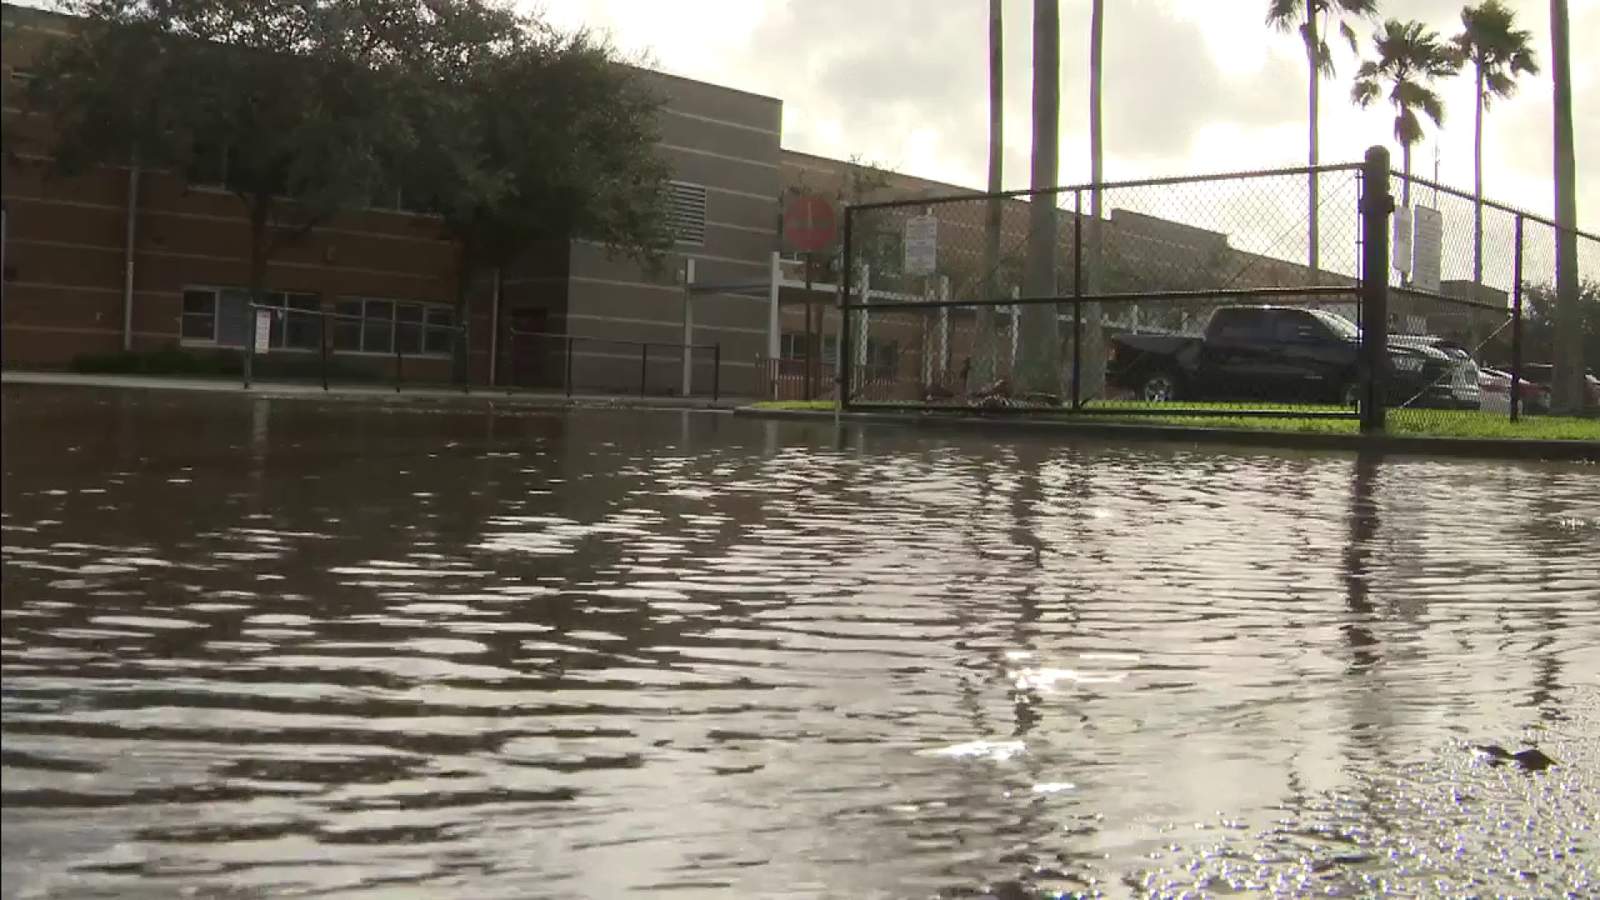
{"points": [[1349, 35], [1284, 15], [1364, 91]]}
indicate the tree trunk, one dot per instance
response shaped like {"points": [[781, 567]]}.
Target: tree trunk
{"points": [[1091, 363], [1567, 391], [1405, 175], [985, 365], [1039, 369], [1312, 261], [1477, 184]]}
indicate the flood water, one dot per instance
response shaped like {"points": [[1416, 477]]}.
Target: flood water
{"points": [[276, 647]]}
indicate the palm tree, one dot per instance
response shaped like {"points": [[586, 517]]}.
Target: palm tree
{"points": [[1091, 361], [1498, 52], [984, 370], [1312, 18], [1041, 371], [1568, 387], [1410, 57]]}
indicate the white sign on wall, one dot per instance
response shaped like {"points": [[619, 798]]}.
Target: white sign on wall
{"points": [[1427, 241], [1401, 249], [263, 330], [921, 245]]}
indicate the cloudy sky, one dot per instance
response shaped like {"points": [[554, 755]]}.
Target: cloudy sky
{"points": [[1190, 86]]}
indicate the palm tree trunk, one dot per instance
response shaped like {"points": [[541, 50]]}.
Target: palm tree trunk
{"points": [[1040, 370], [1477, 186], [1092, 353], [984, 366], [1567, 391], [1311, 116], [1405, 175]]}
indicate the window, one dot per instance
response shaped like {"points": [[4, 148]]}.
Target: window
{"points": [[385, 326], [686, 212], [221, 316], [215, 316]]}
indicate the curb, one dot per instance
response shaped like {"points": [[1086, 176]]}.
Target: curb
{"points": [[1490, 448], [416, 396]]}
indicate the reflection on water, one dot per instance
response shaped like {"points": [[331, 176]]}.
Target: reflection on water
{"points": [[258, 647]]}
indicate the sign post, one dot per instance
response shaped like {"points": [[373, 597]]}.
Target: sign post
{"points": [[808, 226]]}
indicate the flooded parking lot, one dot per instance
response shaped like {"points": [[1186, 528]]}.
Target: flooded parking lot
{"points": [[263, 647]]}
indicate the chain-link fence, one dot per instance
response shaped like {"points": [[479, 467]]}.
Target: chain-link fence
{"points": [[1215, 296], [1101, 300], [1480, 292]]}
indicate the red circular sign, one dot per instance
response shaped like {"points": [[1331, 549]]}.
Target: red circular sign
{"points": [[808, 223]]}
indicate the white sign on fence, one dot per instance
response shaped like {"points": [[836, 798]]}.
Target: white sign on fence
{"points": [[921, 245], [1426, 243], [263, 330], [1401, 251]]}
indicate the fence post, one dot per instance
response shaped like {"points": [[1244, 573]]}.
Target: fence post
{"points": [[1376, 207], [1077, 298], [716, 371], [249, 339], [1515, 398], [569, 366], [846, 285], [644, 366], [322, 338]]}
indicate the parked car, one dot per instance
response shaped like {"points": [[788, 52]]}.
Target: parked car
{"points": [[1543, 374], [1462, 383], [1494, 392], [1279, 353]]}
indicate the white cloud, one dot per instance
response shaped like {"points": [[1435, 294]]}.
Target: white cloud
{"points": [[1191, 85]]}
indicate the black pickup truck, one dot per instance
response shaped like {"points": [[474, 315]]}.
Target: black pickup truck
{"points": [[1279, 353]]}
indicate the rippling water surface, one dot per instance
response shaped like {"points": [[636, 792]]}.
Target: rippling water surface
{"points": [[269, 647]]}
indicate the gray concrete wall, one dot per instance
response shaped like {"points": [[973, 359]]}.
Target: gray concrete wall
{"points": [[728, 142]]}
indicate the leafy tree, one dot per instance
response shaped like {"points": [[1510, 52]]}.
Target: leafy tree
{"points": [[530, 135], [1411, 57], [1313, 19], [1542, 323], [291, 106], [1498, 52]]}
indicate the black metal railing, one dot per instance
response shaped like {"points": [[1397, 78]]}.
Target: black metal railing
{"points": [[579, 364], [314, 353]]}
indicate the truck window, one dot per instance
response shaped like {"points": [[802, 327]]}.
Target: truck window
{"points": [[1287, 325], [1239, 325]]}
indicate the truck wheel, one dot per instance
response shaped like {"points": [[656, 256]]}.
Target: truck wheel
{"points": [[1159, 387]]}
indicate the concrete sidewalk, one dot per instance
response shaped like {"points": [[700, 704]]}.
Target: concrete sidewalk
{"points": [[371, 392]]}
